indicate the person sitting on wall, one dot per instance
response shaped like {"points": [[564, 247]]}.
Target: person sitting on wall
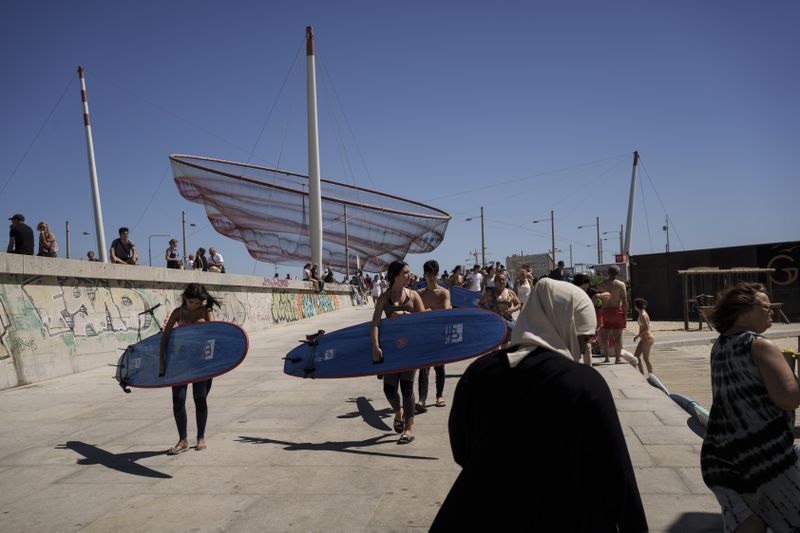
{"points": [[20, 238], [123, 251], [215, 261]]}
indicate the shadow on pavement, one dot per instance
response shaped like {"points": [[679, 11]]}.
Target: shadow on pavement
{"points": [[373, 418], [705, 522], [697, 427], [122, 462], [343, 447]]}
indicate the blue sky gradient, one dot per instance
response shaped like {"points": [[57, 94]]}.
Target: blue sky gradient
{"points": [[520, 107]]}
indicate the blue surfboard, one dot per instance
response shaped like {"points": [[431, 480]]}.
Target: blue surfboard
{"points": [[461, 297], [412, 341], [194, 353]]}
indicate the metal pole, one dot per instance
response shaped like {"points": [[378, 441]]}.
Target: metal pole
{"points": [[483, 242], [67, 239], [630, 204], [346, 246], [621, 244], [314, 188], [570, 256], [98, 210], [599, 250], [666, 228], [183, 230], [553, 236]]}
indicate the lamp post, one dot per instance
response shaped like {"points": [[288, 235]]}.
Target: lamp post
{"points": [[483, 239], [621, 243], [596, 225], [150, 247], [183, 230], [552, 234]]}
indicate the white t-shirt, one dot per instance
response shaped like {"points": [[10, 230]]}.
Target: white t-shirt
{"points": [[474, 279], [216, 259]]}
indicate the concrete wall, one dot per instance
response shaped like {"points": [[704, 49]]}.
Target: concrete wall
{"points": [[61, 316]]}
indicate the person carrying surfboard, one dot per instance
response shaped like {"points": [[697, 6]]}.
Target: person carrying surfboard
{"points": [[433, 297], [196, 306], [396, 302]]}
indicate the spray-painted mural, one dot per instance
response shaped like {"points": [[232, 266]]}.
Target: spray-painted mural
{"points": [[54, 325]]}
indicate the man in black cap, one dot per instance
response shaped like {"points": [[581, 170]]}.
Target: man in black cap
{"points": [[21, 236]]}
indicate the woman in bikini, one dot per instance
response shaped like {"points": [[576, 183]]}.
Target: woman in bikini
{"points": [[396, 302], [646, 338], [501, 300], [197, 306]]}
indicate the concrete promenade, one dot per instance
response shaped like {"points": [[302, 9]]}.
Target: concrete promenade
{"points": [[284, 454]]}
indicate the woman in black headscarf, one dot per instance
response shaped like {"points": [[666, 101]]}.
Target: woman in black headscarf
{"points": [[530, 463]]}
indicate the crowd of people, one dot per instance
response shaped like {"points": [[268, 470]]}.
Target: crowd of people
{"points": [[122, 251], [748, 458]]}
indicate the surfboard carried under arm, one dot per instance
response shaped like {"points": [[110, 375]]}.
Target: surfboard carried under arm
{"points": [[418, 340], [194, 353]]}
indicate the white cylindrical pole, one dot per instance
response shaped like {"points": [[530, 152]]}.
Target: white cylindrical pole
{"points": [[98, 210], [346, 246], [629, 226], [314, 189]]}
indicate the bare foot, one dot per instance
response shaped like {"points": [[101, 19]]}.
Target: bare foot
{"points": [[201, 445]]}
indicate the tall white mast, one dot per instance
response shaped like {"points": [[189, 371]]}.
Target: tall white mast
{"points": [[102, 252], [628, 228], [314, 189]]}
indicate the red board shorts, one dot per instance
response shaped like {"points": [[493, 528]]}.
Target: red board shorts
{"points": [[613, 318]]}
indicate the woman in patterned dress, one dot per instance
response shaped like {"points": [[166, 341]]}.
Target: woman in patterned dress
{"points": [[748, 458]]}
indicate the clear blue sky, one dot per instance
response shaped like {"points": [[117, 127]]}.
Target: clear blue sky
{"points": [[457, 104]]}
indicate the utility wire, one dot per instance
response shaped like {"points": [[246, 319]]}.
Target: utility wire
{"points": [[36, 137], [494, 183]]}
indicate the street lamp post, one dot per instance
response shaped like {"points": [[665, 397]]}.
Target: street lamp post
{"points": [[552, 235], [483, 238], [183, 229], [621, 244], [596, 225], [150, 247]]}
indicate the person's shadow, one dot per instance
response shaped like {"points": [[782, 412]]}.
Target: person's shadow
{"points": [[122, 462], [373, 418], [342, 447]]}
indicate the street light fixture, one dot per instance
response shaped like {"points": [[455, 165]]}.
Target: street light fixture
{"points": [[183, 229], [483, 239], [552, 233], [599, 246], [621, 243]]}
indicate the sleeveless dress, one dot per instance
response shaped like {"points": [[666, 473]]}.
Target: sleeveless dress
{"points": [[748, 457]]}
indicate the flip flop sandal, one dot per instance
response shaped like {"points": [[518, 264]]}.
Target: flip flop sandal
{"points": [[420, 407], [405, 439], [175, 450], [440, 402], [399, 425]]}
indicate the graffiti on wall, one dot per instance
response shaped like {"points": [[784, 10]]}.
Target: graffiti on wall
{"points": [[288, 307], [276, 283], [5, 325], [87, 308]]}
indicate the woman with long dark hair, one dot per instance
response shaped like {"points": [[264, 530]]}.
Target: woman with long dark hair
{"points": [[196, 306], [396, 302]]}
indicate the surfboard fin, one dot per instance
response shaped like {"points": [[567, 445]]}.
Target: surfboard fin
{"points": [[313, 338], [124, 386]]}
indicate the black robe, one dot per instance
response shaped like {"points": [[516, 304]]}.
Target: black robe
{"points": [[541, 449]]}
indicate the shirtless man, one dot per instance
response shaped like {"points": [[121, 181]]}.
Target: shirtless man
{"points": [[614, 311], [433, 297]]}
